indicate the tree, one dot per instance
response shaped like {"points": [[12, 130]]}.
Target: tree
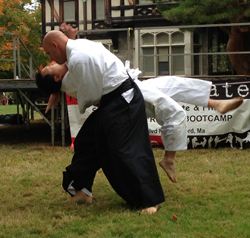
{"points": [[15, 18], [214, 11]]}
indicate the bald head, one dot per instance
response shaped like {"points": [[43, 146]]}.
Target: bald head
{"points": [[54, 44]]}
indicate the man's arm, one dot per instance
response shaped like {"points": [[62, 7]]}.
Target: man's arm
{"points": [[69, 30], [53, 101]]}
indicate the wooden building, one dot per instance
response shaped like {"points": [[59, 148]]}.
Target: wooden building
{"points": [[135, 30]]}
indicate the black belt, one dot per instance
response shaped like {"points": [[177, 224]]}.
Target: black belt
{"points": [[125, 86]]}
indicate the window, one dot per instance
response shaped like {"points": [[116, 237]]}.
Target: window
{"points": [[219, 64], [145, 1], [100, 9], [148, 61], [163, 61], [156, 53], [197, 49], [69, 10]]}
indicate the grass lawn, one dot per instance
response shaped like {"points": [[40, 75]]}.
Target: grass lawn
{"points": [[9, 109], [211, 199]]}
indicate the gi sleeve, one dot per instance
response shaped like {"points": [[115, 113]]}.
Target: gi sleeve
{"points": [[88, 81]]}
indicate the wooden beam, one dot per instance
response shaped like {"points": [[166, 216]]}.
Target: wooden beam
{"points": [[77, 13], [93, 12], [53, 11], [43, 18], [84, 15], [121, 4], [61, 10]]}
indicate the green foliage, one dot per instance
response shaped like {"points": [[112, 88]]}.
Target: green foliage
{"points": [[16, 19], [205, 11], [247, 12], [221, 63], [6, 74], [195, 12]]}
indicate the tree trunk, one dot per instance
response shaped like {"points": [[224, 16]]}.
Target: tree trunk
{"points": [[240, 62]]}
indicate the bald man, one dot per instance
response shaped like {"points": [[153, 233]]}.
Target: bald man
{"points": [[115, 136], [161, 95]]}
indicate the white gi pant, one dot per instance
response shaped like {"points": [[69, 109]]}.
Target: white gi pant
{"points": [[161, 96]]}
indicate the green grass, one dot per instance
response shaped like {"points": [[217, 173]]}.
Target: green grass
{"points": [[211, 199], [9, 109]]}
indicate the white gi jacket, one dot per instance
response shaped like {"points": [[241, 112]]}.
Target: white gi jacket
{"points": [[161, 96], [93, 71], [164, 93]]}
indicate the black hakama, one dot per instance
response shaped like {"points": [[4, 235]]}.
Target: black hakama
{"points": [[115, 138]]}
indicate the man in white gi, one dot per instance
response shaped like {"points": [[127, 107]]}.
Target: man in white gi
{"points": [[115, 136], [161, 96]]}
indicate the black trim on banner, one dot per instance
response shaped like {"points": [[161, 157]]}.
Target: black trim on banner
{"points": [[231, 139], [228, 89]]}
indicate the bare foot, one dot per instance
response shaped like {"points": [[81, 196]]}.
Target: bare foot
{"points": [[149, 210], [225, 106], [169, 167], [80, 196]]}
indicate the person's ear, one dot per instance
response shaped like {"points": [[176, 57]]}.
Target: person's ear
{"points": [[58, 78], [54, 44]]}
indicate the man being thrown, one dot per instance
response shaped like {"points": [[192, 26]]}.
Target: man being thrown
{"points": [[161, 96], [115, 136]]}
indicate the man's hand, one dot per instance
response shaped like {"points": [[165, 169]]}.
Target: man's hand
{"points": [[53, 100], [69, 30]]}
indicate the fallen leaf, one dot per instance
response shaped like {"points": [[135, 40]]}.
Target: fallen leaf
{"points": [[174, 217]]}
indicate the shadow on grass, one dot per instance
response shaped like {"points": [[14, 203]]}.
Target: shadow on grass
{"points": [[38, 132]]}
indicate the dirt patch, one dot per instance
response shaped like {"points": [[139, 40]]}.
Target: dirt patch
{"points": [[38, 132]]}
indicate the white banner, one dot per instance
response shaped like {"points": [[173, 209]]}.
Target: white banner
{"points": [[209, 129], [206, 127]]}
